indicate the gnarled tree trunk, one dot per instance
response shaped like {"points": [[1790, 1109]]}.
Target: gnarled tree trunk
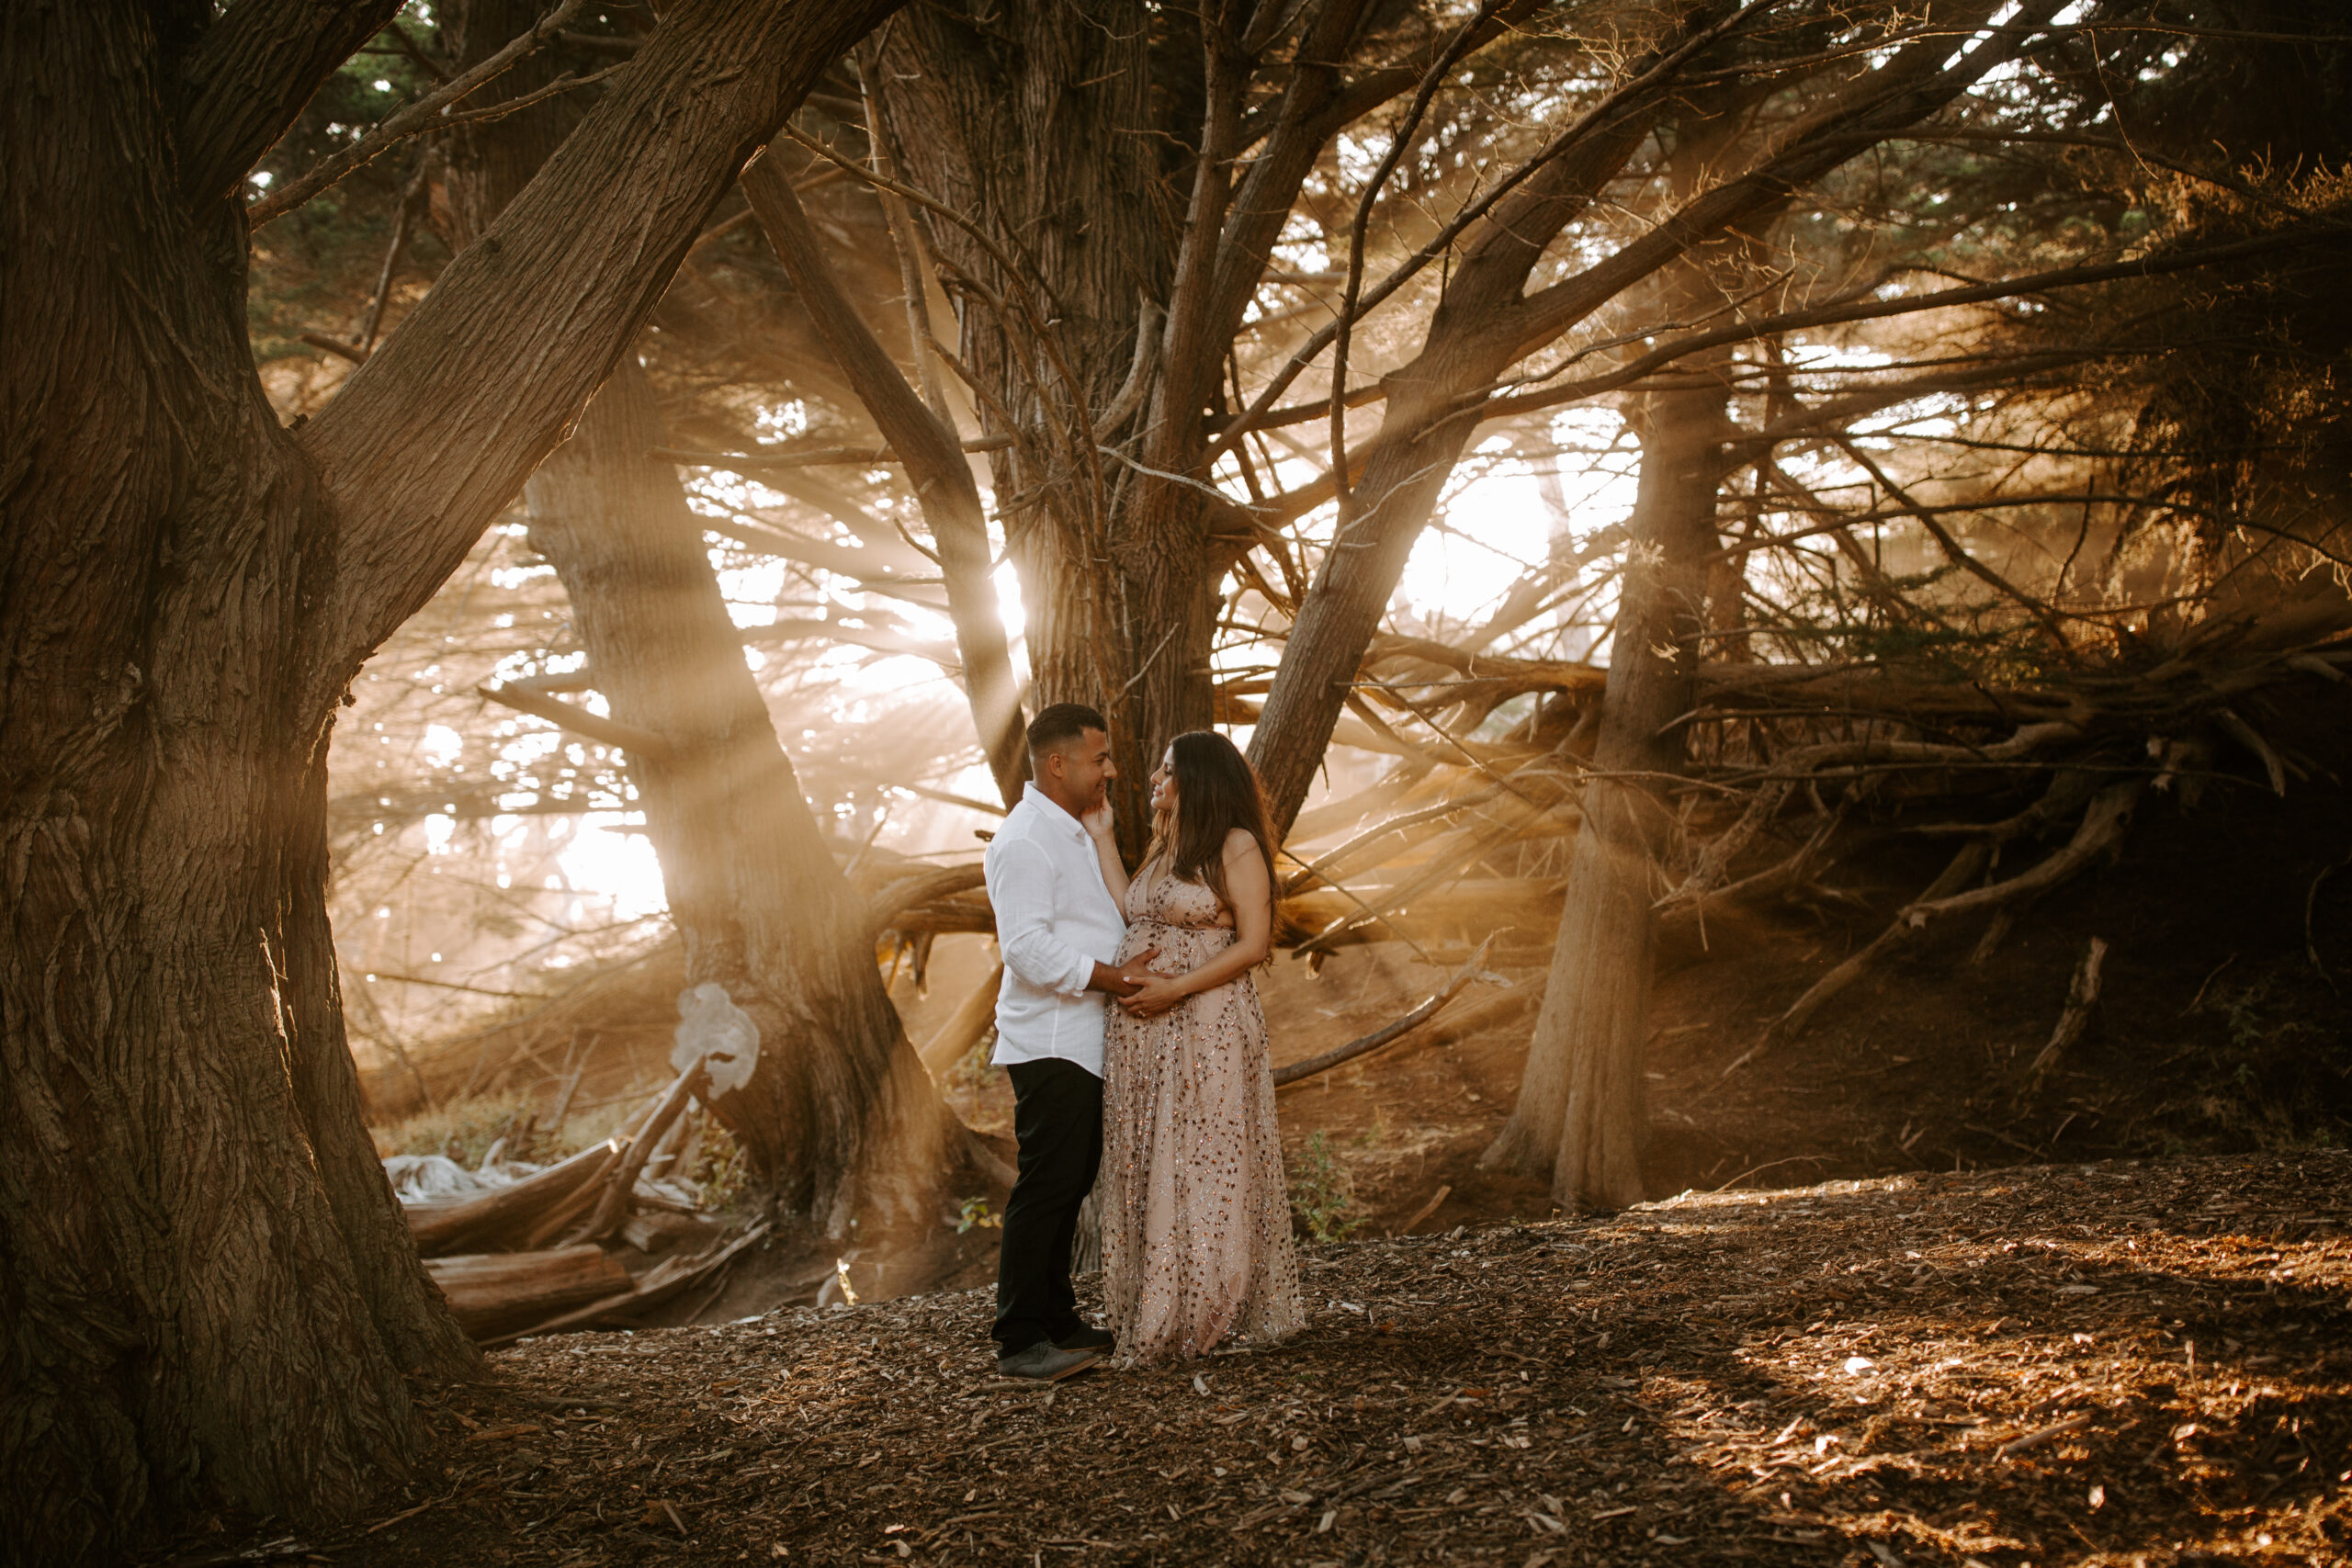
{"points": [[838, 1116], [1580, 1113], [209, 1291], [210, 1296], [1036, 122]]}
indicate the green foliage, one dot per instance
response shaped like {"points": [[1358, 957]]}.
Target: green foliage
{"points": [[315, 267], [973, 1215], [1322, 1193]]}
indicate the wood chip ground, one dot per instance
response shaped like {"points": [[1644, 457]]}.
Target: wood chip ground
{"points": [[2145, 1363]]}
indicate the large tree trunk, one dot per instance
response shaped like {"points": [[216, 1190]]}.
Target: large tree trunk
{"points": [[838, 1116], [1580, 1115], [209, 1294], [210, 1297], [1036, 122]]}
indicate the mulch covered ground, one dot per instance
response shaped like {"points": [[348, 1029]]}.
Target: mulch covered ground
{"points": [[2115, 1363]]}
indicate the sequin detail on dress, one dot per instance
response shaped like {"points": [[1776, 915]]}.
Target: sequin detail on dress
{"points": [[1196, 1238]]}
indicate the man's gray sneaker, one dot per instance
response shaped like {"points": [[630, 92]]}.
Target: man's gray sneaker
{"points": [[1043, 1362], [1087, 1337]]}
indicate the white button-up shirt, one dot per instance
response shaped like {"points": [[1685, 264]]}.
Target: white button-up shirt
{"points": [[1054, 920]]}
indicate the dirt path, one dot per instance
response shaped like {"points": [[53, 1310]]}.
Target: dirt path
{"points": [[2129, 1363]]}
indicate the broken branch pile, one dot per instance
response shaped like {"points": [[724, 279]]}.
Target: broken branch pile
{"points": [[524, 1255]]}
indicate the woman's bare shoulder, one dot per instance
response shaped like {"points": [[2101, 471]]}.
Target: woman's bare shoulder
{"points": [[1239, 842]]}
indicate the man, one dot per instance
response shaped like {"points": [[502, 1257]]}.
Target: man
{"points": [[1058, 929]]}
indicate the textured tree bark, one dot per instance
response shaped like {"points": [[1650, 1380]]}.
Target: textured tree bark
{"points": [[210, 1297], [1580, 1113], [209, 1294], [839, 1118], [1037, 123]]}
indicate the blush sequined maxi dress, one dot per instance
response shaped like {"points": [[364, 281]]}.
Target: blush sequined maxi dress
{"points": [[1197, 1238]]}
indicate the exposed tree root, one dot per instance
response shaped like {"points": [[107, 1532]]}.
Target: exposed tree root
{"points": [[2101, 831], [2082, 998]]}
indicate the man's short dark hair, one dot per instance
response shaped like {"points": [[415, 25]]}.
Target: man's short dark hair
{"points": [[1058, 724]]}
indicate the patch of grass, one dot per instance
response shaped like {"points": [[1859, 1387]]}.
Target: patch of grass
{"points": [[465, 1130]]}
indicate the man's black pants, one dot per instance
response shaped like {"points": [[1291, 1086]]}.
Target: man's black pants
{"points": [[1057, 1119]]}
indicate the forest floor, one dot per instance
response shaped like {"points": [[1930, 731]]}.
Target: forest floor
{"points": [[2124, 1362]]}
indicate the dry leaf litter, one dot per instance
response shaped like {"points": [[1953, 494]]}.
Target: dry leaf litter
{"points": [[2125, 1363]]}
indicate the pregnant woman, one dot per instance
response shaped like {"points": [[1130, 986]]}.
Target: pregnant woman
{"points": [[1196, 1242]]}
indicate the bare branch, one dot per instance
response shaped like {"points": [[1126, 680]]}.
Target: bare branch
{"points": [[424, 114], [1453, 986], [814, 456], [579, 721]]}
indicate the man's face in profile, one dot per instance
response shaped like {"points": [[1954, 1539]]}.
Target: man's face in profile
{"points": [[1086, 770]]}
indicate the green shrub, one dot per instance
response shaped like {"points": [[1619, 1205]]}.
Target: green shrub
{"points": [[1322, 1193]]}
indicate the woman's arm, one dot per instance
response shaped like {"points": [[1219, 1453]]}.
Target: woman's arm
{"points": [[1253, 933], [1099, 828]]}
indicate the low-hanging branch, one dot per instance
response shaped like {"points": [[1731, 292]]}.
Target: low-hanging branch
{"points": [[579, 721], [810, 456], [1395, 1031]]}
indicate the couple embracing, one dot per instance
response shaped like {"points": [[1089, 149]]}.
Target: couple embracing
{"points": [[1129, 1021]]}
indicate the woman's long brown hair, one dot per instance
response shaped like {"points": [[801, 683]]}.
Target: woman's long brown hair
{"points": [[1217, 792]]}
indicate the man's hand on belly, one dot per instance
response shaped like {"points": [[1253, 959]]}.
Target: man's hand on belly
{"points": [[1125, 980]]}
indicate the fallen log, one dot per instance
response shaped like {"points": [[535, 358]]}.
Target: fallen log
{"points": [[490, 1291], [670, 1278], [507, 1213], [619, 1182]]}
